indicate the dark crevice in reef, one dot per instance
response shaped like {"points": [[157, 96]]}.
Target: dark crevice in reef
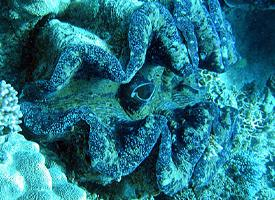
{"points": [[73, 151], [156, 54], [29, 48]]}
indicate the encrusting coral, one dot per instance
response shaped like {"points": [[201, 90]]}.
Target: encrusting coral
{"points": [[24, 175]]}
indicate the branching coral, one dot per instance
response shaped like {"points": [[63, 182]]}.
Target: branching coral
{"points": [[216, 90], [256, 113], [10, 113]]}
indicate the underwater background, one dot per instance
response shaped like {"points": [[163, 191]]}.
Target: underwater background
{"points": [[137, 99]]}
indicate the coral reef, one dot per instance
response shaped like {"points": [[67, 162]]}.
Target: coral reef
{"points": [[126, 99]]}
